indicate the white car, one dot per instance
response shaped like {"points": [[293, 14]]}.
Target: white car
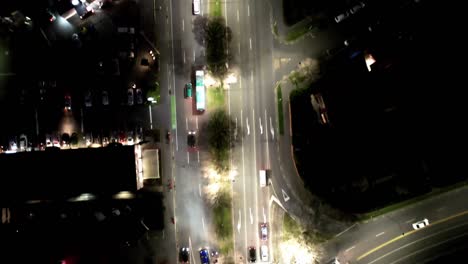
{"points": [[264, 253], [341, 17], [421, 224], [357, 7], [196, 7]]}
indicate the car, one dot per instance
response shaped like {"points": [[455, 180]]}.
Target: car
{"points": [[184, 255], [339, 18], [130, 96], [204, 256], [83, 10], [139, 96], [88, 99], [47, 16], [130, 138], [188, 90], [105, 3], [105, 98], [421, 224], [196, 7], [264, 253], [252, 254], [192, 139], [67, 103], [23, 142], [264, 231], [357, 7], [168, 136]]}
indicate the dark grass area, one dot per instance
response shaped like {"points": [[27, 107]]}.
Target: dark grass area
{"points": [[394, 134]]}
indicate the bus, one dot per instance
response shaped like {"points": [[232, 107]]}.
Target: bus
{"points": [[200, 90]]}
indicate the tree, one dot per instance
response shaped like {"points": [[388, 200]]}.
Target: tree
{"points": [[219, 136], [200, 27], [217, 39]]}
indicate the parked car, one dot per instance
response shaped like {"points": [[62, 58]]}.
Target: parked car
{"points": [[88, 99], [339, 18], [84, 10], [105, 98], [130, 96], [357, 7], [139, 96]]}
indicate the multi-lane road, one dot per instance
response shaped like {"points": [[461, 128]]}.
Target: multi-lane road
{"points": [[251, 104]]}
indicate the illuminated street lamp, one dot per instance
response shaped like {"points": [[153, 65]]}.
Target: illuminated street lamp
{"points": [[152, 100]]}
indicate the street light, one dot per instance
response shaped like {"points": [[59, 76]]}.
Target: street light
{"points": [[152, 100]]}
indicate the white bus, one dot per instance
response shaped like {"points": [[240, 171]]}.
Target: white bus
{"points": [[200, 90]]}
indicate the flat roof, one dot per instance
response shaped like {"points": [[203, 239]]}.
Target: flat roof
{"points": [[63, 174]]}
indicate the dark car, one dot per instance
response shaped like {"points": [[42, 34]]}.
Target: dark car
{"points": [[252, 254], [192, 139], [83, 10], [67, 103], [47, 16], [184, 255]]}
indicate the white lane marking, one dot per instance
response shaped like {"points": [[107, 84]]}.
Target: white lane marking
{"points": [[237, 15], [272, 130], [260, 125], [251, 216], [203, 223], [199, 189], [198, 156], [192, 255], [250, 43], [251, 76], [194, 55], [235, 131], [188, 158], [248, 10], [440, 209], [183, 25], [239, 222], [349, 249], [285, 196], [184, 56], [422, 239], [264, 215], [267, 144], [239, 48], [248, 126], [379, 234], [411, 220], [186, 123], [196, 122]]}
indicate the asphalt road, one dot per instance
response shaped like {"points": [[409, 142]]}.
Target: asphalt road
{"points": [[442, 211]]}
